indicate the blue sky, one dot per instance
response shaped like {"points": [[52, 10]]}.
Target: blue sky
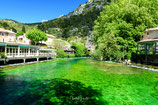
{"points": [[31, 11]]}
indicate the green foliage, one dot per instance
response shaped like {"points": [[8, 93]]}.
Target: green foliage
{"points": [[125, 22], [59, 44], [118, 55], [70, 55], [19, 33], [2, 54], [23, 29], [80, 49], [61, 53], [15, 26], [13, 29], [42, 27], [97, 55], [36, 35], [82, 22]]}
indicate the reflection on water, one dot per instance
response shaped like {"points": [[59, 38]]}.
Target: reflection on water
{"points": [[40, 84]]}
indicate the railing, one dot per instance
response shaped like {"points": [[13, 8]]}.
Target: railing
{"points": [[15, 55]]}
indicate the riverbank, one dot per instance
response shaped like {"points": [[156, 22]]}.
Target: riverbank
{"points": [[78, 81]]}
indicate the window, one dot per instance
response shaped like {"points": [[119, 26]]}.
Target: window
{"points": [[2, 34], [3, 40], [147, 33]]}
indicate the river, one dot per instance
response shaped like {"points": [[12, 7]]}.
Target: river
{"points": [[77, 81]]}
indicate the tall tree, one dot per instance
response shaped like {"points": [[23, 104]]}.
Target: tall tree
{"points": [[36, 35], [125, 20], [42, 27], [23, 29]]}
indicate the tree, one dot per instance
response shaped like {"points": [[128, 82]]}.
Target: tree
{"points": [[5, 25], [13, 29], [42, 27], [19, 33], [59, 44], [125, 22], [107, 44], [23, 29], [80, 49], [36, 35], [61, 53]]}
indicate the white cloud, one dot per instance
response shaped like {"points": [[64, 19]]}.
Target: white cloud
{"points": [[61, 15], [44, 20]]}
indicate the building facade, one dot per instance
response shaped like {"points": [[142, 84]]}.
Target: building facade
{"points": [[7, 36], [147, 49], [149, 42]]}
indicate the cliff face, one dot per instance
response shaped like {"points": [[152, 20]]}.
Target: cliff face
{"points": [[89, 4]]}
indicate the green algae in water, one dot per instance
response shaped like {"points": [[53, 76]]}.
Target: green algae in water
{"points": [[77, 81]]}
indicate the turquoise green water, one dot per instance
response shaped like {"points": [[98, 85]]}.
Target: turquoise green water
{"points": [[31, 84], [77, 81]]}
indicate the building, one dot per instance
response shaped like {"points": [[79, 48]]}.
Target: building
{"points": [[7, 36], [149, 42], [49, 41], [24, 52], [23, 40], [147, 49]]}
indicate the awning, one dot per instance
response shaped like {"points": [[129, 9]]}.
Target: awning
{"points": [[12, 45], [2, 44], [33, 47], [24, 47]]}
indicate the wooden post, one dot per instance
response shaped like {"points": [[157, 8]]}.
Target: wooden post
{"points": [[37, 52], [5, 62], [155, 48], [12, 52], [18, 51], [29, 52], [37, 59], [24, 60], [5, 50]]}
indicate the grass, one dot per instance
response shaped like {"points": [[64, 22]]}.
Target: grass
{"points": [[100, 82]]}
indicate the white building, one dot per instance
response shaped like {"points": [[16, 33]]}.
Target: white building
{"points": [[49, 41], [24, 40]]}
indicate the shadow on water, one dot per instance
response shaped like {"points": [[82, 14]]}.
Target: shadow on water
{"points": [[14, 91]]}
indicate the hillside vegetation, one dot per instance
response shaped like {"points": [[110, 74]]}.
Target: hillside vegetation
{"points": [[14, 25]]}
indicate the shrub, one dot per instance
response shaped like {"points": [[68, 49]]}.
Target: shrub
{"points": [[70, 55], [3, 55], [97, 55], [61, 53]]}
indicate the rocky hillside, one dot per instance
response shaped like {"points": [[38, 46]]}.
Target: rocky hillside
{"points": [[76, 23]]}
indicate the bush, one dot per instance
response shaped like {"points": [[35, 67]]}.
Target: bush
{"points": [[79, 49], [3, 55], [61, 53], [97, 55], [70, 55]]}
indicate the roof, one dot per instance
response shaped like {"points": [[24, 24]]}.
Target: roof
{"points": [[7, 31], [151, 29], [51, 36], [148, 40]]}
